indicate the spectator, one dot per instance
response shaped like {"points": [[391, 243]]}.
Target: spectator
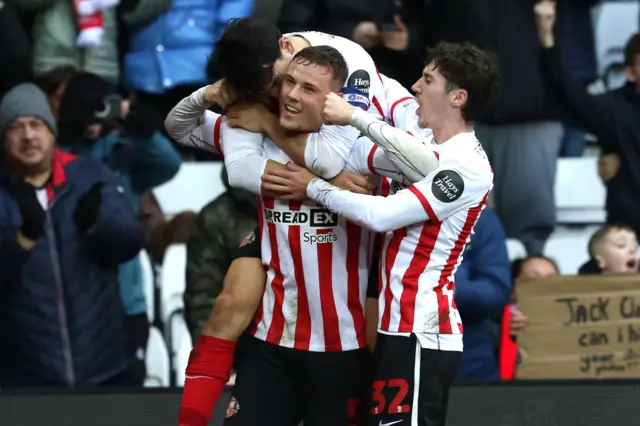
{"points": [[613, 249], [53, 84], [533, 267], [59, 42], [140, 157], [513, 321], [167, 58], [161, 233], [65, 227], [15, 49], [483, 289], [521, 134], [577, 47], [614, 118], [221, 226]]}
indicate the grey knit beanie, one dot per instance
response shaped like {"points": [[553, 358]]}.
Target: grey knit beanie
{"points": [[25, 100]]}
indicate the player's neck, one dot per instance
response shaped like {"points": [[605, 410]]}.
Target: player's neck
{"points": [[450, 128]]}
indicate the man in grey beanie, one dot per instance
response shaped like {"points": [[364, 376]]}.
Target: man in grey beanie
{"points": [[24, 110], [65, 226]]}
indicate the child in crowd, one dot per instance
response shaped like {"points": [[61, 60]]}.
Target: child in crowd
{"points": [[613, 249]]}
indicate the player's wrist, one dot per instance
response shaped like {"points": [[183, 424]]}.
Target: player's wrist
{"points": [[312, 187]]}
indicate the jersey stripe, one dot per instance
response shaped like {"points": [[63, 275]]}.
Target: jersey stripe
{"points": [[370, 159], [393, 248], [303, 322], [216, 135], [354, 240], [424, 202], [375, 102], [259, 313], [330, 322], [393, 107], [419, 262], [277, 284]]}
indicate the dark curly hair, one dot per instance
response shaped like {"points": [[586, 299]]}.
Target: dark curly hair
{"points": [[325, 56], [470, 68], [244, 55]]}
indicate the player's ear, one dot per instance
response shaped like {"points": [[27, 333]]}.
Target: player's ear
{"points": [[459, 97], [602, 263], [286, 45]]}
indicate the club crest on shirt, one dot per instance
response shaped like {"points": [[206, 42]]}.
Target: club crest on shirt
{"points": [[233, 407], [248, 239], [447, 186]]}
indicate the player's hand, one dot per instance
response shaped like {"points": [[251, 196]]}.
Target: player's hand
{"points": [[396, 39], [219, 93], [608, 166], [517, 323], [545, 13], [366, 34], [291, 182], [352, 182], [251, 117], [337, 111]]}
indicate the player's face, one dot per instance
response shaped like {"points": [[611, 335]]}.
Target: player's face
{"points": [[619, 253], [302, 94], [435, 97]]}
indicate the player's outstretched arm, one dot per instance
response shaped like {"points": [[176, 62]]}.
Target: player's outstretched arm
{"points": [[190, 123], [324, 152], [414, 157], [381, 214]]}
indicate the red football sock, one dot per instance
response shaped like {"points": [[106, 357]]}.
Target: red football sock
{"points": [[208, 372]]}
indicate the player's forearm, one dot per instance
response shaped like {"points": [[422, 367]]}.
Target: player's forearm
{"points": [[379, 214], [412, 156], [190, 123]]}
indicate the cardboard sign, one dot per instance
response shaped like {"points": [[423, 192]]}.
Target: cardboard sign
{"points": [[580, 327]]}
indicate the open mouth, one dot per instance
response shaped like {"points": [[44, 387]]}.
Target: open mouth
{"points": [[632, 264], [291, 110]]}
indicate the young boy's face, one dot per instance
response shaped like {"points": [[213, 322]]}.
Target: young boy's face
{"points": [[618, 253]]}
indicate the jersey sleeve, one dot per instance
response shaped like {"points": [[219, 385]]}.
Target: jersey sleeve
{"points": [[450, 189], [380, 214], [368, 160], [327, 151], [244, 157], [402, 108], [414, 157], [190, 124]]}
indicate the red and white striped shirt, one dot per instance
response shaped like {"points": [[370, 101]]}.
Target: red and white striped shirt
{"points": [[317, 267], [432, 222]]}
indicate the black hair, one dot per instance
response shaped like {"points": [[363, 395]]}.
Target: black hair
{"points": [[244, 56], [518, 264]]}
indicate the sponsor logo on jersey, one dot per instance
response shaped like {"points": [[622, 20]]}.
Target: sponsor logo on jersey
{"points": [[360, 80], [315, 218], [311, 238], [447, 186], [248, 239]]}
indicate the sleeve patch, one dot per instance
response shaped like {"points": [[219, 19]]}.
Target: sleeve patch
{"points": [[356, 98], [447, 186]]}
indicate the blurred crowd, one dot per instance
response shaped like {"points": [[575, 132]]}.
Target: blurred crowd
{"points": [[86, 86]]}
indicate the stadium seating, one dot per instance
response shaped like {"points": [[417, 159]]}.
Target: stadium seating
{"points": [[614, 23], [157, 360], [195, 185], [579, 192], [515, 249], [568, 247], [148, 282], [173, 280]]}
